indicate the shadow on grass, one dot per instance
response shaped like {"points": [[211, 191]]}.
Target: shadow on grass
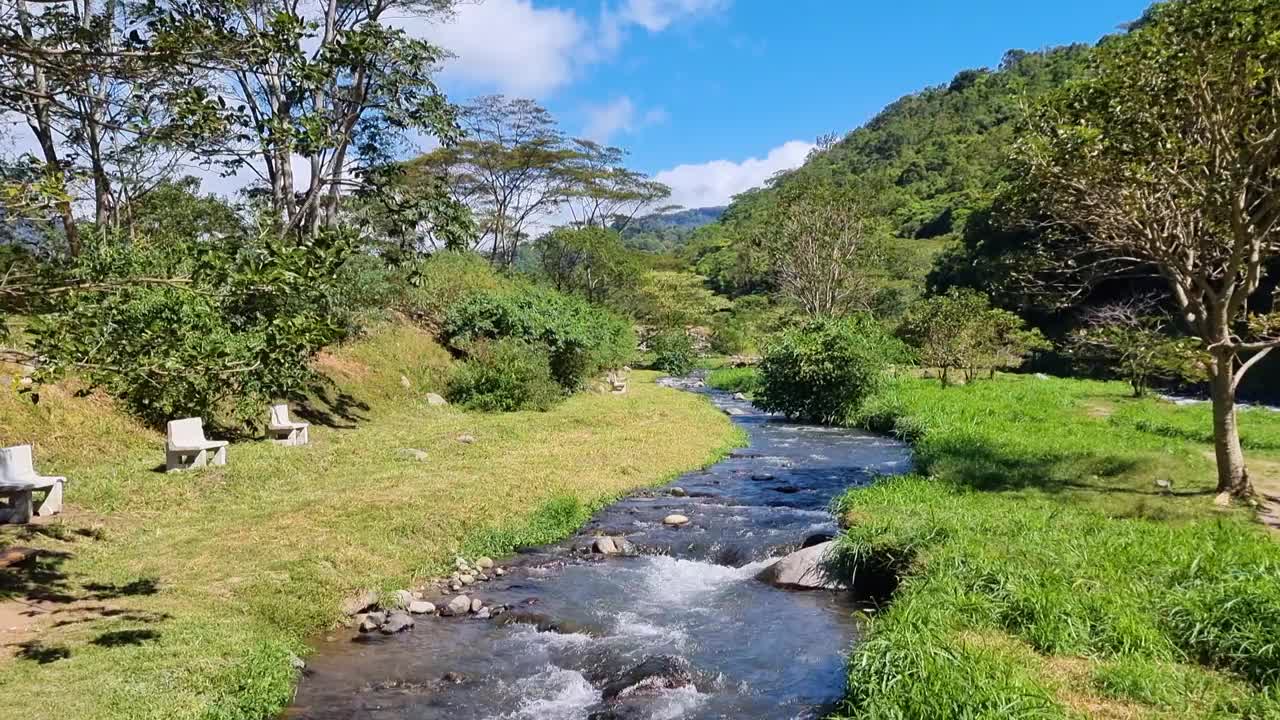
{"points": [[329, 406], [42, 654], [120, 638]]}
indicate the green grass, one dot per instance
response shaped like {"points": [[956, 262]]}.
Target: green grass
{"points": [[731, 379], [1043, 574], [184, 596]]}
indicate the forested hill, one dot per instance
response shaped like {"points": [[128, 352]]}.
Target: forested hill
{"points": [[934, 155], [666, 232]]}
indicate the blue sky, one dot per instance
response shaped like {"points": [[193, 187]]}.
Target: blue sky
{"points": [[713, 96]]}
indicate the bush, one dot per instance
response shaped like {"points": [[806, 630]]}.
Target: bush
{"points": [[582, 339], [673, 353], [728, 336], [227, 325], [823, 371], [445, 279], [504, 376]]}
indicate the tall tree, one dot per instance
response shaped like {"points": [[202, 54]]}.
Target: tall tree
{"points": [[823, 244], [1166, 159], [510, 168], [602, 192], [333, 84]]}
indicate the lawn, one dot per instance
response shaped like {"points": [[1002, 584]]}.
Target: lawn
{"points": [[188, 595], [1045, 574]]}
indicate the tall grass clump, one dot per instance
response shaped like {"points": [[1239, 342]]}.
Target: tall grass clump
{"points": [[730, 379]]}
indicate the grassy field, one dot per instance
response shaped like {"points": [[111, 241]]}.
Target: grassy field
{"points": [[1043, 572], [186, 596]]}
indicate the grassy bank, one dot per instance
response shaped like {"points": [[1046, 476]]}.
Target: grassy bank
{"points": [[1045, 574], [185, 596]]}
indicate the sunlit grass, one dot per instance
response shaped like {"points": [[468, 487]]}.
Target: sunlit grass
{"points": [[1046, 575], [215, 578]]}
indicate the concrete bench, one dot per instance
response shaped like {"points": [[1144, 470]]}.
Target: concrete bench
{"points": [[283, 430], [19, 483], [186, 446]]}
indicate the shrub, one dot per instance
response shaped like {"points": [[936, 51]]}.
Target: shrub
{"points": [[823, 371], [728, 336], [504, 376], [673, 352], [582, 339], [224, 327], [438, 283]]}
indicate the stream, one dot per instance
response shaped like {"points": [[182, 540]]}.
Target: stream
{"points": [[680, 630]]}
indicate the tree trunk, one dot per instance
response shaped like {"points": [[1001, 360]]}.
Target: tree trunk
{"points": [[1233, 476]]}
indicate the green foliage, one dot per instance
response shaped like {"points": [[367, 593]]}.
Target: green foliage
{"points": [[582, 339], [1137, 348], [590, 261], [676, 300], [961, 330], [735, 380], [444, 280], [221, 327], [503, 376], [729, 335], [673, 352], [822, 371]]}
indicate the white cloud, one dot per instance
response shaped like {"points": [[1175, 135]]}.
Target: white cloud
{"points": [[716, 182], [508, 45], [658, 15], [620, 115]]}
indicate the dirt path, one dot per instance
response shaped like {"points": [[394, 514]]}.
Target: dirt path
{"points": [[1266, 482]]}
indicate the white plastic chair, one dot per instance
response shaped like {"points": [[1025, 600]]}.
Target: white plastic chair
{"points": [[285, 431], [18, 481], [187, 447]]}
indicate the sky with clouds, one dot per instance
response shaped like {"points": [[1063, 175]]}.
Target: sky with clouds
{"points": [[713, 97]]}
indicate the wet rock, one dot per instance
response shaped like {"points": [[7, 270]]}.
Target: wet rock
{"points": [[499, 572], [422, 607], [787, 489], [402, 598], [739, 396], [484, 563], [397, 622], [763, 477], [664, 672], [460, 605], [476, 605], [736, 412], [802, 570], [455, 586], [543, 623], [604, 546], [453, 678], [817, 539], [467, 579], [372, 621], [484, 614], [435, 400], [677, 492], [675, 520]]}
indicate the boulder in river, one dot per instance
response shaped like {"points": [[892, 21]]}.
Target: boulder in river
{"points": [[543, 623], [675, 520], [802, 570], [664, 672], [422, 607], [460, 605], [396, 622]]}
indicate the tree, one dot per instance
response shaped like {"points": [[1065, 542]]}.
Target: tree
{"points": [[960, 330], [823, 245], [269, 81], [670, 300], [1166, 161], [1135, 340], [602, 192], [510, 168], [590, 261]]}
